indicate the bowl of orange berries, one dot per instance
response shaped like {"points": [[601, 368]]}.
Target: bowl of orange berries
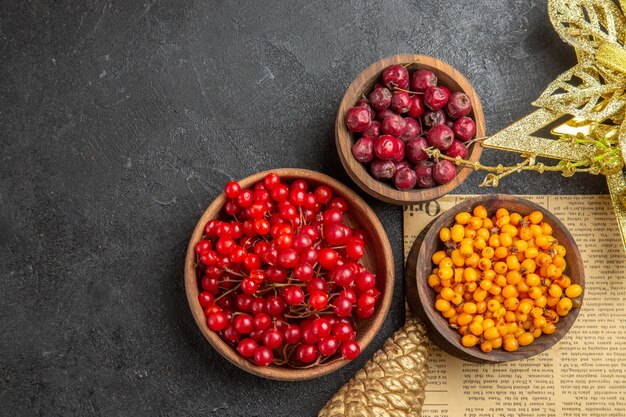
{"points": [[496, 278]]}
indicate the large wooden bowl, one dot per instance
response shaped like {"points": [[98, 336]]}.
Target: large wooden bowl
{"points": [[363, 84], [421, 297], [378, 259]]}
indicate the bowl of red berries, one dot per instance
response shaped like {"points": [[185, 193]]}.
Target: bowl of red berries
{"points": [[394, 110], [289, 274]]}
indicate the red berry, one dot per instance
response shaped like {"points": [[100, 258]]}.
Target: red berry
{"points": [[340, 204], [440, 136], [464, 129], [293, 295], [342, 306], [434, 118], [343, 275], [366, 104], [355, 248], [230, 333], [243, 323], [415, 150], [244, 302], [303, 272], [327, 257], [456, 149], [416, 108], [335, 234], [400, 102], [343, 332], [444, 171], [275, 305], [422, 80], [262, 321], [202, 246], [350, 350], [232, 189], [380, 98], [411, 131], [247, 347], [328, 346], [396, 76], [248, 286], [272, 338], [263, 356], [332, 215], [306, 353], [365, 280], [318, 300], [358, 119], [393, 125], [206, 299], [271, 180], [382, 169], [321, 327], [323, 194], [258, 306], [424, 171], [436, 97], [405, 179], [288, 258], [280, 193], [245, 199], [276, 274], [217, 321], [459, 105], [373, 131], [293, 334]]}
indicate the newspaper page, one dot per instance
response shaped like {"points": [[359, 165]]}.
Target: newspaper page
{"points": [[582, 375]]}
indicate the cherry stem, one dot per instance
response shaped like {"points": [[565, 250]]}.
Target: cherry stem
{"points": [[407, 91]]}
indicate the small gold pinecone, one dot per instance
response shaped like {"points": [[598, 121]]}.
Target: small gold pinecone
{"points": [[391, 384]]}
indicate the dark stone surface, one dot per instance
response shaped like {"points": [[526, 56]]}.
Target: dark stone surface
{"points": [[121, 121]]}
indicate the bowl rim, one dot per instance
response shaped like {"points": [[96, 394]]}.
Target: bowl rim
{"points": [[276, 372], [360, 174], [435, 322]]}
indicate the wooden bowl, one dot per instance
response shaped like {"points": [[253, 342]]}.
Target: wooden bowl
{"points": [[363, 84], [378, 259], [421, 297]]}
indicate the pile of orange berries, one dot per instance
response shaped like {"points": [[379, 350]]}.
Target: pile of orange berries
{"points": [[500, 281]]}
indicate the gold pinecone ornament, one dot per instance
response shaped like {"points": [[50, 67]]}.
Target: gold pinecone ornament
{"points": [[392, 383]]}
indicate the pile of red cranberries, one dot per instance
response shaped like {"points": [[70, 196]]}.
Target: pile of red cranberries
{"points": [[403, 115], [280, 277]]}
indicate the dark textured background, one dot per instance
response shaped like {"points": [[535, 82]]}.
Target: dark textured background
{"points": [[120, 122]]}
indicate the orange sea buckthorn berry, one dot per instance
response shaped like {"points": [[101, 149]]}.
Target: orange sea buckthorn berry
{"points": [[525, 233], [466, 250], [543, 259], [469, 340], [457, 258], [484, 264], [511, 303], [469, 308], [541, 301], [497, 343], [501, 252], [476, 328], [487, 223], [552, 301], [470, 233], [552, 271], [574, 291], [470, 275], [472, 260], [525, 339], [501, 212], [564, 281], [536, 230], [447, 294], [528, 266], [445, 273], [438, 256], [516, 218], [560, 250], [521, 286], [564, 306], [549, 328], [470, 287], [442, 305], [511, 345], [491, 333], [484, 233], [500, 280], [535, 217], [509, 316], [503, 220], [444, 234], [475, 223], [434, 280], [493, 305], [540, 322], [494, 241], [481, 307], [520, 246], [488, 252], [457, 299], [448, 313], [480, 212], [531, 253], [486, 285], [558, 261], [547, 229], [500, 267], [543, 241], [459, 289], [495, 290], [479, 243], [536, 312], [486, 346], [536, 333], [457, 233], [512, 263], [462, 217], [464, 319]]}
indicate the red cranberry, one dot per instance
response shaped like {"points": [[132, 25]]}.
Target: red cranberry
{"points": [[358, 119], [306, 353], [459, 105], [394, 125], [328, 257], [232, 189], [405, 179], [343, 332], [380, 98], [273, 338], [400, 102], [456, 149], [440, 136], [342, 306], [399, 156], [363, 149], [417, 107], [350, 350], [434, 118], [402, 164], [464, 129], [424, 172], [328, 346], [382, 169], [293, 334], [247, 347], [382, 115], [264, 356], [414, 150], [318, 300], [444, 171], [373, 131], [366, 104], [386, 147], [422, 79], [411, 131], [436, 97], [396, 76]]}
